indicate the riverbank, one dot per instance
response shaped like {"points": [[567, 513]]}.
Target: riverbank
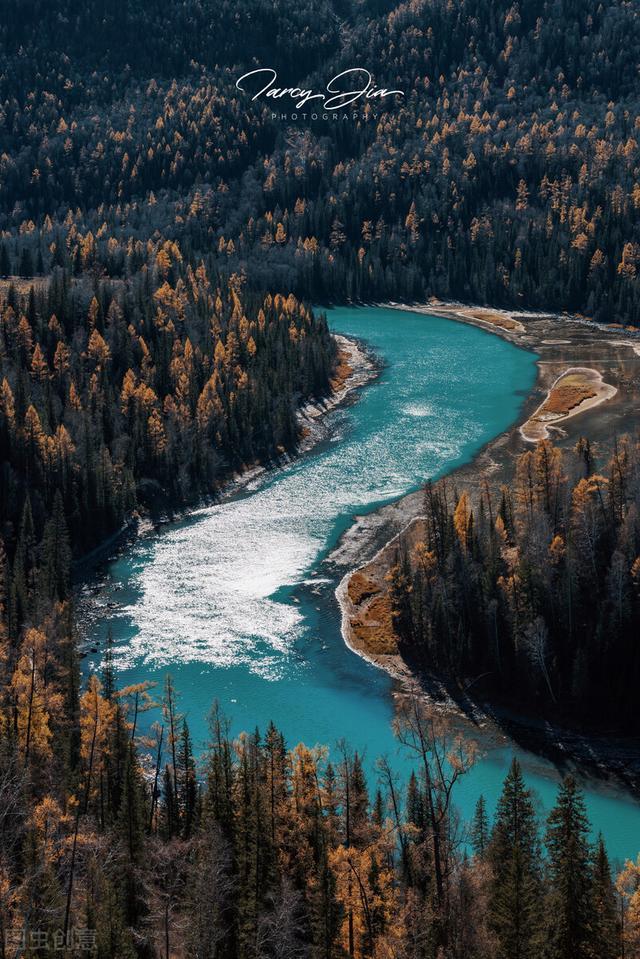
{"points": [[588, 384], [561, 344], [355, 368]]}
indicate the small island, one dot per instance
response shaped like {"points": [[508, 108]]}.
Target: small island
{"points": [[575, 391]]}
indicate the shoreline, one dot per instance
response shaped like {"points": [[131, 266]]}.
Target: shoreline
{"points": [[359, 367], [366, 550]]}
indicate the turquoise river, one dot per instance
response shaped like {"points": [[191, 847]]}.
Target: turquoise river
{"points": [[237, 603]]}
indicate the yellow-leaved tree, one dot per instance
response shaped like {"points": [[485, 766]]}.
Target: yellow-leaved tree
{"points": [[34, 700]]}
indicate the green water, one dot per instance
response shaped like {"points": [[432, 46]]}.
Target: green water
{"points": [[236, 603]]}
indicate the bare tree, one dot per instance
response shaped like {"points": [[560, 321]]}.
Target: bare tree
{"points": [[389, 780], [169, 880], [536, 642], [281, 930], [444, 757], [12, 829], [211, 887]]}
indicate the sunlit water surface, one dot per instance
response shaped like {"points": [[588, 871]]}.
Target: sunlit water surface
{"points": [[236, 603]]}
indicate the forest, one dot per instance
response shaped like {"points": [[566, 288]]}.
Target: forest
{"points": [[261, 851], [536, 590], [162, 241], [507, 174]]}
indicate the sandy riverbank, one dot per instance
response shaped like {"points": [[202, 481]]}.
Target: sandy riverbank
{"points": [[588, 384]]}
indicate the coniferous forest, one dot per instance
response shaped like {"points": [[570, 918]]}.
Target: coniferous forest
{"points": [[536, 590], [162, 240], [506, 174]]}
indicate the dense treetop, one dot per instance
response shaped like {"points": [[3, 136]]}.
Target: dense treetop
{"points": [[508, 173], [533, 593]]}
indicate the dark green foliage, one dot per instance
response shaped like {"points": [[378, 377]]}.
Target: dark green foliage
{"points": [[506, 174], [158, 211], [187, 782], [568, 901], [605, 921], [514, 856], [532, 595], [480, 829]]}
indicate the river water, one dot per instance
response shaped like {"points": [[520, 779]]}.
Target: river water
{"points": [[235, 601]]}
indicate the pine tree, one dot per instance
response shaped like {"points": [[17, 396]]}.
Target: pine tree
{"points": [[56, 552], [415, 805], [514, 857], [480, 829], [106, 913], [568, 906], [220, 774], [108, 671], [605, 931], [173, 720], [359, 801], [130, 828], [187, 782], [5, 260], [275, 777], [170, 818], [249, 839], [24, 565], [26, 263]]}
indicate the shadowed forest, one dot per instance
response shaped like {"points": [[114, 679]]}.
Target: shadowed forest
{"points": [[536, 591]]}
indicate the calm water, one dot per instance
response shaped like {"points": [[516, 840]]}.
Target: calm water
{"points": [[236, 602]]}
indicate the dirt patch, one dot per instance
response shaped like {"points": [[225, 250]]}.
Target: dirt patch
{"points": [[568, 394], [372, 627], [361, 587], [342, 372], [501, 320]]}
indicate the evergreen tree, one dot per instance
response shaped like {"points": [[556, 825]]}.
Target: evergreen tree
{"points": [[219, 799], [24, 566], [514, 856], [56, 552], [130, 829], [605, 931], [132, 819], [5, 260], [106, 914], [187, 782], [249, 839], [108, 670], [568, 904], [170, 818], [480, 829]]}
